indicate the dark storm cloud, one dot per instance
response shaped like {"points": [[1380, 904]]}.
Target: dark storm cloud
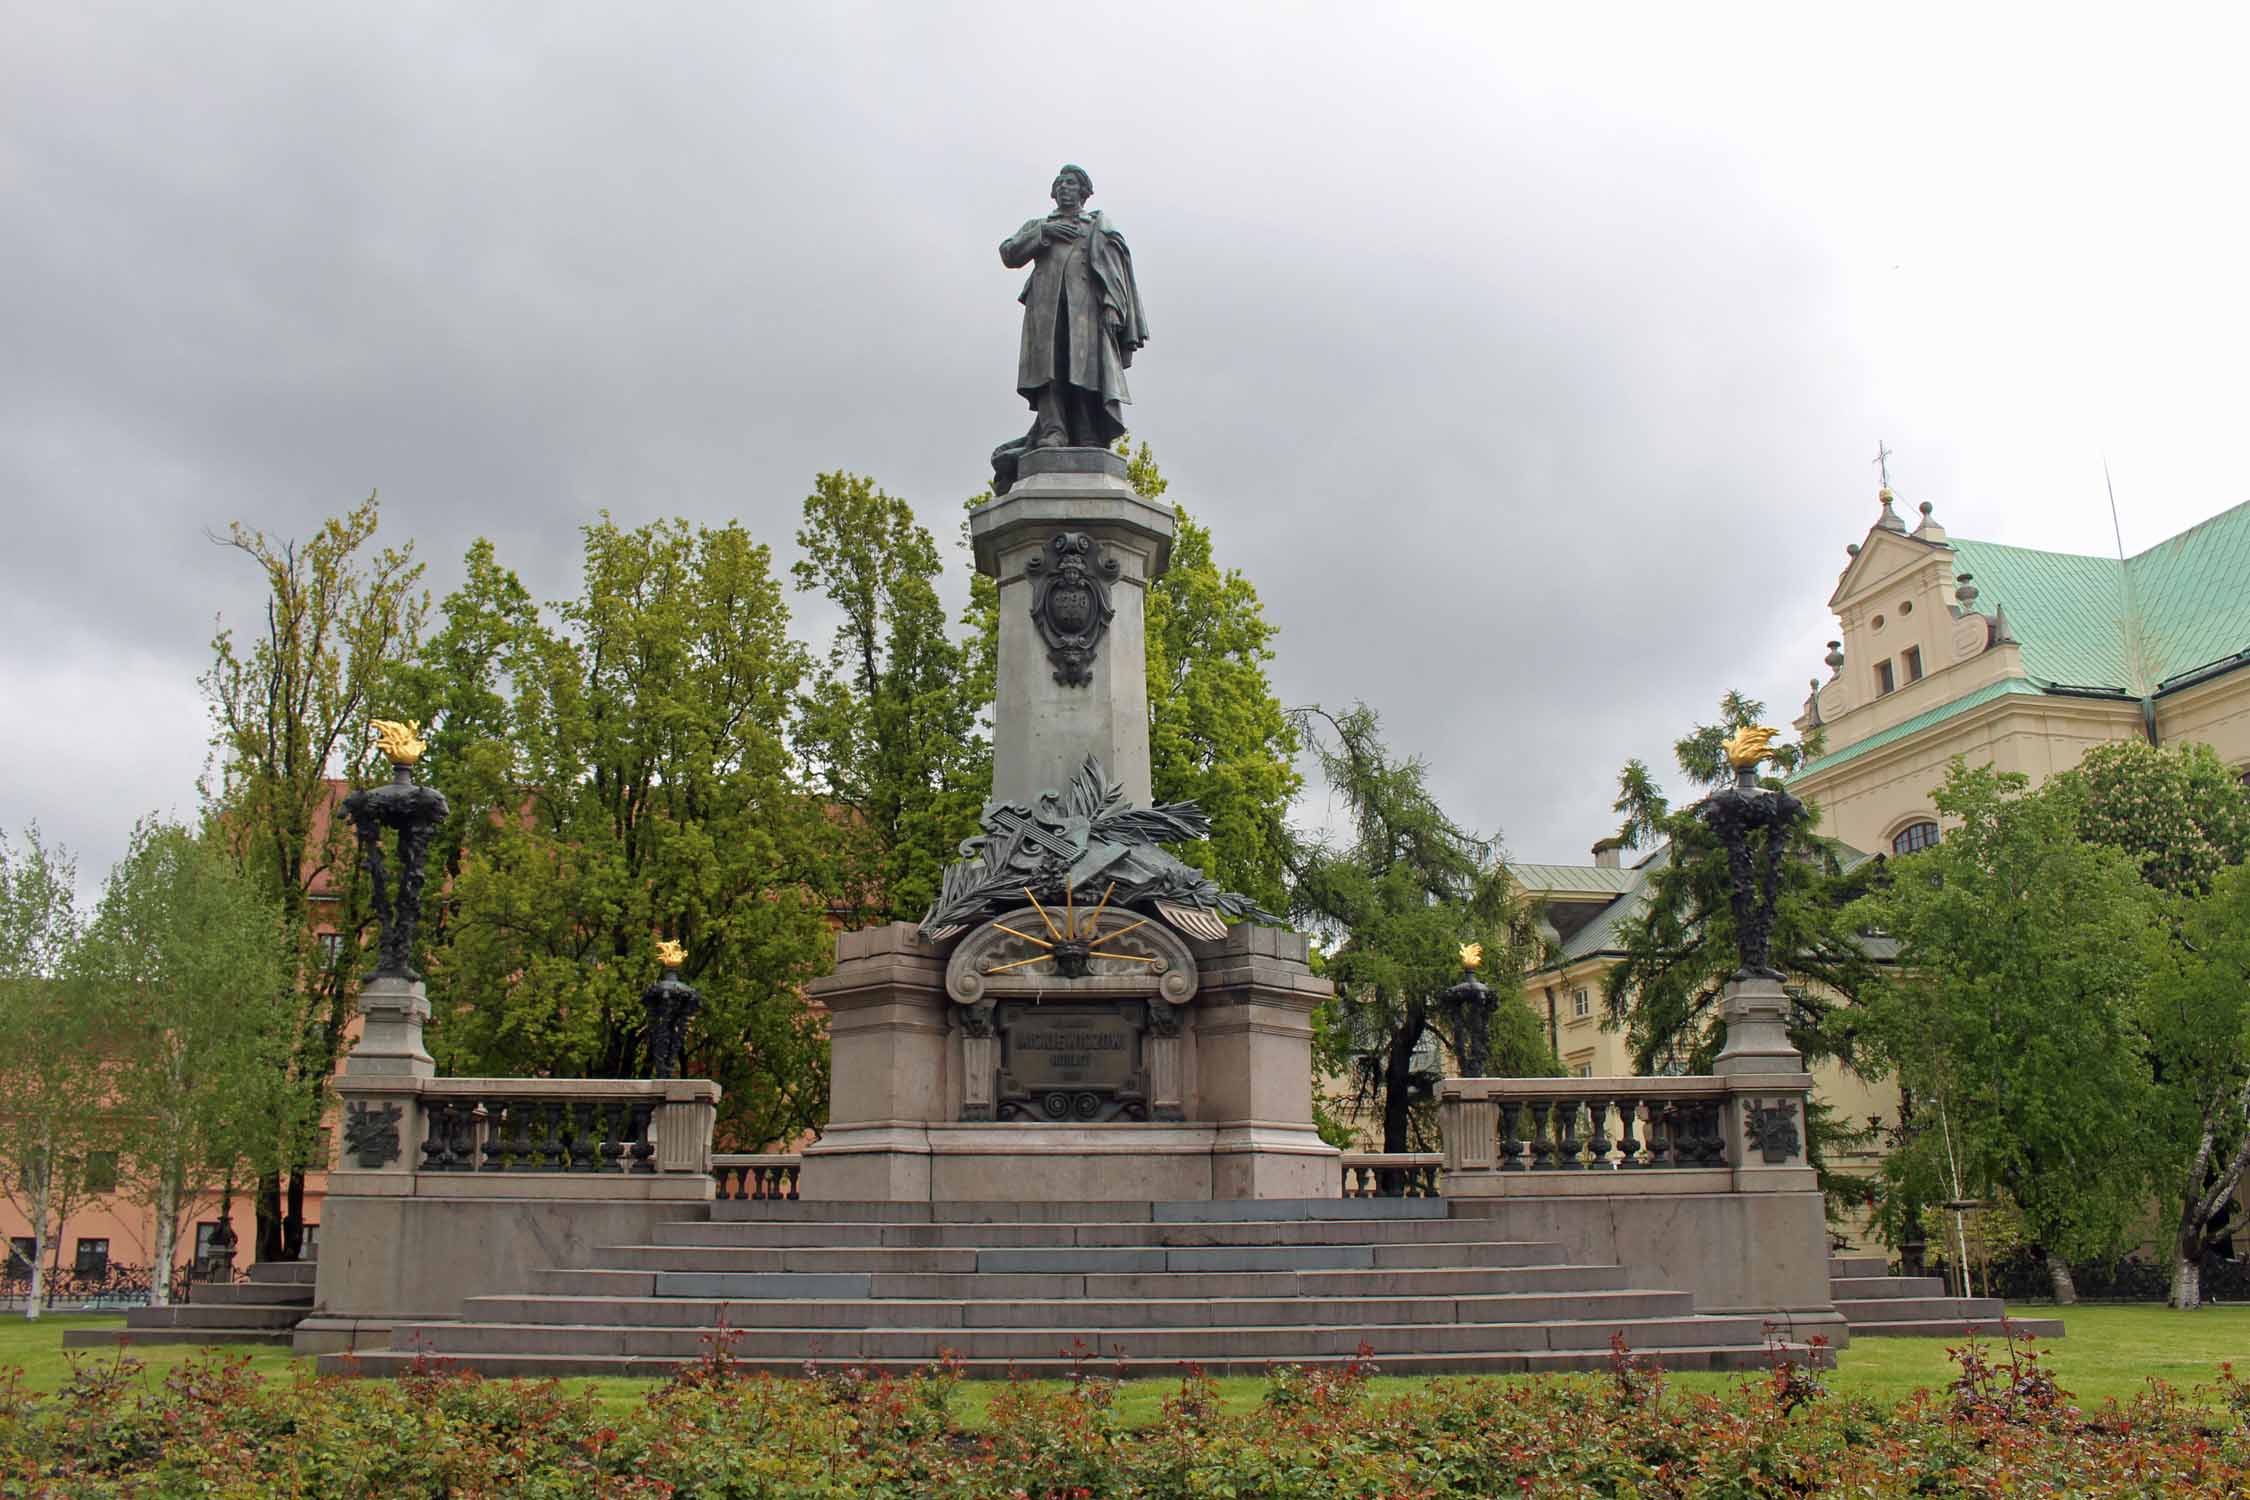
{"points": [[1529, 376]]}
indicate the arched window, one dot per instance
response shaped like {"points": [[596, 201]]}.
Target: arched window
{"points": [[1914, 836]]}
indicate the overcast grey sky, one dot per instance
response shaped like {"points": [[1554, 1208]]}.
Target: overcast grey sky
{"points": [[1530, 361]]}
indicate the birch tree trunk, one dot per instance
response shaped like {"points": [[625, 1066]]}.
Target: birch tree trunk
{"points": [[2187, 1282], [39, 1202], [167, 1238]]}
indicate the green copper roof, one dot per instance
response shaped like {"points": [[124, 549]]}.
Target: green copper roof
{"points": [[1573, 880], [2005, 687], [2130, 626]]}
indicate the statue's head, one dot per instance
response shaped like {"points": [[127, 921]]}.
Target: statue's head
{"points": [[1072, 188]]}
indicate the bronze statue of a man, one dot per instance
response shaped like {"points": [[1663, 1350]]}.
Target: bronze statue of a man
{"points": [[1081, 323]]}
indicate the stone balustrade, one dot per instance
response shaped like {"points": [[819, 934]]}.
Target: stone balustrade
{"points": [[743, 1177], [1726, 1133], [416, 1135], [1392, 1174]]}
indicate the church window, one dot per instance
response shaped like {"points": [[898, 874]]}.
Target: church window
{"points": [[1913, 660], [1914, 836], [1905, 608], [1886, 680], [1878, 622]]}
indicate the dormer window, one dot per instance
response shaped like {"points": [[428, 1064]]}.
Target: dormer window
{"points": [[1913, 659], [1886, 681]]}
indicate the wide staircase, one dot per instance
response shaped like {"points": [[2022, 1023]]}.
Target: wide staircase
{"points": [[261, 1310], [1878, 1305], [1036, 1288]]}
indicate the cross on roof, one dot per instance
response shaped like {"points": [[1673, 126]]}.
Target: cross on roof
{"points": [[1883, 462]]}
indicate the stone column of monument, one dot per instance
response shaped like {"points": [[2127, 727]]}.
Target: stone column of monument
{"points": [[1081, 1015]]}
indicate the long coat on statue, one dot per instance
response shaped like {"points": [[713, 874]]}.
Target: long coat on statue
{"points": [[1073, 286]]}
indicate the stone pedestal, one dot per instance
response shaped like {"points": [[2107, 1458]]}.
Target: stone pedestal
{"points": [[1044, 727], [1755, 1008], [906, 1078], [392, 1011]]}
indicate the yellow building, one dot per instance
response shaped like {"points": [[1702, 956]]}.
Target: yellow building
{"points": [[1949, 647]]}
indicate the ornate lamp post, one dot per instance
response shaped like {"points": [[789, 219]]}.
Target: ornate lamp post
{"points": [[1467, 1008], [670, 1002], [392, 998], [1753, 824]]}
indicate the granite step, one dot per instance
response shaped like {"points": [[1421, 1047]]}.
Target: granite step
{"points": [[1413, 1282], [1084, 1260], [291, 1272], [1917, 1309], [1857, 1265], [214, 1316], [241, 1293], [1953, 1328], [1716, 1356], [1219, 1211], [110, 1338], [1102, 1234], [713, 1307], [1199, 1343], [1859, 1288]]}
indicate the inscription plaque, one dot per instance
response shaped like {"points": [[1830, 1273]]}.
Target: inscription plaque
{"points": [[1071, 1062]]}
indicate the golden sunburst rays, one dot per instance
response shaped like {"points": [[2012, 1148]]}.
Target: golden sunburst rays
{"points": [[1080, 937]]}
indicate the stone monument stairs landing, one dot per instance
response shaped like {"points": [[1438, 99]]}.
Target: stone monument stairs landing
{"points": [[1034, 1288], [262, 1310], [1878, 1305]]}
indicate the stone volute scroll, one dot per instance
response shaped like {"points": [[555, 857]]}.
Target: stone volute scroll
{"points": [[1070, 602]]}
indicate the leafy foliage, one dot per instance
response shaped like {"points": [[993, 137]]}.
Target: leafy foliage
{"points": [[2004, 1426], [290, 712], [620, 773], [51, 1118], [181, 976], [2180, 812], [2013, 1013], [889, 723], [1393, 897]]}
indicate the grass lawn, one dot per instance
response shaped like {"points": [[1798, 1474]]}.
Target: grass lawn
{"points": [[2111, 1350]]}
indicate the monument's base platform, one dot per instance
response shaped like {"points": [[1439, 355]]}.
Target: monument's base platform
{"points": [[1034, 1289], [1114, 1163]]}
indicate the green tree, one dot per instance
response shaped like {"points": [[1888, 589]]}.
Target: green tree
{"points": [[1393, 896], [2180, 812], [181, 975], [290, 716], [49, 1077], [891, 722], [1218, 736], [625, 775], [2014, 1013], [2199, 1026]]}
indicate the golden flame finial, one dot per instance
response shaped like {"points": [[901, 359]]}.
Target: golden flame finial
{"points": [[671, 954], [402, 743], [1472, 955], [1749, 745]]}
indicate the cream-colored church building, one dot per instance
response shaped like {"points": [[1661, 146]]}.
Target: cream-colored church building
{"points": [[1946, 647]]}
